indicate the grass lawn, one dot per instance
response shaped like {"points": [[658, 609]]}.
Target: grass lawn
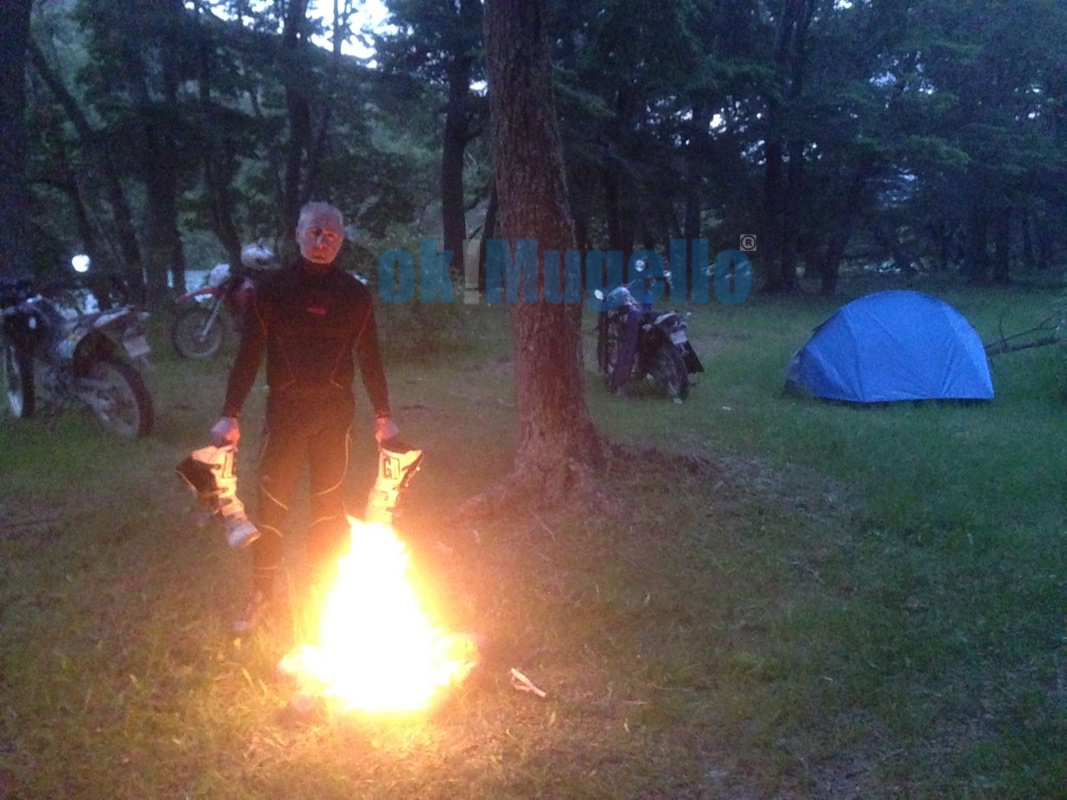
{"points": [[792, 600]]}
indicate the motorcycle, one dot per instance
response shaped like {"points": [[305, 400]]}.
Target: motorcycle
{"points": [[198, 330], [662, 351], [59, 345]]}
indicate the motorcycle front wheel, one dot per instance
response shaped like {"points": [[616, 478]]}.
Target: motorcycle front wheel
{"points": [[18, 381], [196, 333], [668, 370], [118, 397]]}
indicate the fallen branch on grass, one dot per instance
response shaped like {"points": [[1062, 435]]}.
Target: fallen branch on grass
{"points": [[1012, 343], [524, 684]]}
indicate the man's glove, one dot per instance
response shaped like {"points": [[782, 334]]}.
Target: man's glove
{"points": [[225, 431], [384, 428]]}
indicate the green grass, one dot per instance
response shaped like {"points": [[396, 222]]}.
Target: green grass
{"points": [[797, 601]]}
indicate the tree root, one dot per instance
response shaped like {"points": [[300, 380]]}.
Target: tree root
{"points": [[571, 483], [565, 483]]}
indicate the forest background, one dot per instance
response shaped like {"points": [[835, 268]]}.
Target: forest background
{"points": [[897, 135]]}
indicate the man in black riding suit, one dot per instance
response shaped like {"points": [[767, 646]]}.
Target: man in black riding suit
{"points": [[309, 317]]}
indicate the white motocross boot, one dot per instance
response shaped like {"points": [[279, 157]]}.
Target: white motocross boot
{"points": [[212, 473], [397, 464]]}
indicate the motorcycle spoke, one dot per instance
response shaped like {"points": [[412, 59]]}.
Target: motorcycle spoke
{"points": [[197, 333], [118, 398]]}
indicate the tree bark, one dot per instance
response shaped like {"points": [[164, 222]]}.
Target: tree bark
{"points": [[771, 223], [696, 163], [458, 132], [793, 191], [783, 182], [104, 158], [220, 166], [14, 196], [557, 447], [160, 166], [1002, 246], [488, 232], [829, 267], [1026, 231], [299, 114], [976, 262], [163, 247], [453, 146]]}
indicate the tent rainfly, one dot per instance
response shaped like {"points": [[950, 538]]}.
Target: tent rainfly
{"points": [[892, 346]]}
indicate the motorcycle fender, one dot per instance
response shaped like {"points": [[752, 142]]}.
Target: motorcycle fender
{"points": [[135, 343], [89, 348], [653, 337], [128, 329], [242, 295], [109, 317], [197, 294], [692, 361]]}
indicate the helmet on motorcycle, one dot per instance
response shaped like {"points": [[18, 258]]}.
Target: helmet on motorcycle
{"points": [[218, 274], [256, 256]]}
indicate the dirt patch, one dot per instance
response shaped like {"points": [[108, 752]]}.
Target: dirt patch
{"points": [[29, 519]]}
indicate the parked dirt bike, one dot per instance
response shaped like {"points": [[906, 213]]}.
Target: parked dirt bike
{"points": [[60, 346], [662, 351], [199, 329]]}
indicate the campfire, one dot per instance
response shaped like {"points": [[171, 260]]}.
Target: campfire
{"points": [[378, 649]]}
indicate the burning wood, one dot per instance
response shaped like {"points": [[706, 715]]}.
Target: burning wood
{"points": [[378, 649]]}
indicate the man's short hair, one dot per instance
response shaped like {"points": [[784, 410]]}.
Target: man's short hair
{"points": [[317, 208]]}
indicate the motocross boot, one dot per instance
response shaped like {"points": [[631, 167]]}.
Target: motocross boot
{"points": [[397, 465], [212, 473]]}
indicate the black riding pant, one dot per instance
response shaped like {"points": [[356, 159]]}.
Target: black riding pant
{"points": [[313, 429]]}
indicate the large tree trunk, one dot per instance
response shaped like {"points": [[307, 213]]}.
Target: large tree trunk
{"points": [[696, 162], [298, 110], [783, 185], [220, 164], [770, 231], [793, 190], [1002, 246], [104, 160], [14, 197], [1026, 231], [458, 132], [454, 144], [976, 261], [557, 445], [829, 266], [160, 170], [163, 251], [488, 232]]}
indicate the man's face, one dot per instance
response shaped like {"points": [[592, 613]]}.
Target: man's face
{"points": [[320, 237]]}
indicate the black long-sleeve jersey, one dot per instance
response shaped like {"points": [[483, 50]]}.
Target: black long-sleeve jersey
{"points": [[310, 319]]}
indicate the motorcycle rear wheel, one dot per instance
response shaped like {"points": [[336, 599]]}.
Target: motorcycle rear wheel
{"points": [[668, 370], [608, 348], [191, 336], [19, 383], [123, 405]]}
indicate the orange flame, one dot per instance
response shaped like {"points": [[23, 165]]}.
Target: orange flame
{"points": [[378, 650]]}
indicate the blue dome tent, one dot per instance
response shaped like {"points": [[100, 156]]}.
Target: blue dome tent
{"points": [[892, 346]]}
